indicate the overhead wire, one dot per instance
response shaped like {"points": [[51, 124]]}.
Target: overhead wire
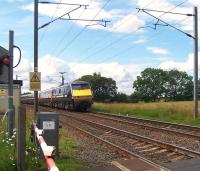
{"points": [[46, 29], [67, 31], [115, 27], [151, 38], [82, 30], [114, 42], [122, 37], [116, 55]]}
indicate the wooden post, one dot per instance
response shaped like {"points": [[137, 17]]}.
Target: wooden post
{"points": [[21, 139]]}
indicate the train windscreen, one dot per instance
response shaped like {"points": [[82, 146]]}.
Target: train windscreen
{"points": [[80, 86]]}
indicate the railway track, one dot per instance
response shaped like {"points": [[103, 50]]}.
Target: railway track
{"points": [[168, 126], [175, 137], [118, 132], [154, 150], [124, 152]]}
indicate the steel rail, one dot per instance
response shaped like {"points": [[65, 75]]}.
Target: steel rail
{"points": [[167, 130], [166, 124], [168, 146], [121, 149]]}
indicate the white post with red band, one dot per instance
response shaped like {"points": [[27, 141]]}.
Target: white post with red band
{"points": [[48, 151]]}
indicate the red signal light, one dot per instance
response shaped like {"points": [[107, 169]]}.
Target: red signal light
{"points": [[6, 60]]}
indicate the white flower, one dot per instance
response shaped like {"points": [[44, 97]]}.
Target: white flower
{"points": [[26, 152], [11, 144]]}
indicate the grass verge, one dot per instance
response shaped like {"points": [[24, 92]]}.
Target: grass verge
{"points": [[177, 112], [67, 148], [65, 162]]}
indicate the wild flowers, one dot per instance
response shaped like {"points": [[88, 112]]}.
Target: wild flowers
{"points": [[8, 150]]}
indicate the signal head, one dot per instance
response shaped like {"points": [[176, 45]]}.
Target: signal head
{"points": [[5, 60]]}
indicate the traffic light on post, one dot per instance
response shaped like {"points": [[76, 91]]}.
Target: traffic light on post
{"points": [[4, 68], [4, 63]]}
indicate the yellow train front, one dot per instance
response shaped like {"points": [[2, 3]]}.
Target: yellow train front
{"points": [[81, 95], [75, 96]]}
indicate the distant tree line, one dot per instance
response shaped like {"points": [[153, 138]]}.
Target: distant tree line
{"points": [[152, 85], [156, 84]]}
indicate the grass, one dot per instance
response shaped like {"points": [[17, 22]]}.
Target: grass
{"points": [[7, 149], [66, 160], [178, 112]]}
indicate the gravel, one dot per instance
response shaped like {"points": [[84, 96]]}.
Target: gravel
{"points": [[91, 153]]}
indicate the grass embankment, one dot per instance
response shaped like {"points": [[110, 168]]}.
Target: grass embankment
{"points": [[178, 112], [66, 160], [67, 148]]}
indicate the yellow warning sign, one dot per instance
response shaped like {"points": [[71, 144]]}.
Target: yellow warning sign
{"points": [[35, 78], [35, 81], [3, 92]]}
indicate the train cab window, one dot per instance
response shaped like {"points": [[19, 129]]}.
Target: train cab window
{"points": [[80, 86]]}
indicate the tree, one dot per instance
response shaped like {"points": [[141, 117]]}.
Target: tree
{"points": [[150, 85], [179, 86], [104, 89], [134, 97], [120, 97]]}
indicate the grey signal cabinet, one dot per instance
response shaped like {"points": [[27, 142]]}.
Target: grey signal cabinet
{"points": [[49, 122]]}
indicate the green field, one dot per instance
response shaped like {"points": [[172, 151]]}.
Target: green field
{"points": [[178, 112]]}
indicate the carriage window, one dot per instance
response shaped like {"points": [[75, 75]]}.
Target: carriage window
{"points": [[80, 86]]}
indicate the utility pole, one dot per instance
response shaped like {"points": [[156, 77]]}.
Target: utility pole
{"points": [[195, 114], [194, 37], [35, 53], [62, 77], [36, 28], [10, 86]]}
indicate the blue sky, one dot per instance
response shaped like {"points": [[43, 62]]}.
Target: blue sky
{"points": [[121, 50]]}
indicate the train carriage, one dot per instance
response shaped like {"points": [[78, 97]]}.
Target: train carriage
{"points": [[75, 96]]}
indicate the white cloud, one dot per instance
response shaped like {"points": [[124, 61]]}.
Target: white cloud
{"points": [[157, 50], [186, 66], [139, 41], [120, 21], [122, 74], [128, 24], [194, 2], [180, 21], [50, 66]]}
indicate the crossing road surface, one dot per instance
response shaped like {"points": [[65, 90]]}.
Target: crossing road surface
{"points": [[127, 165]]}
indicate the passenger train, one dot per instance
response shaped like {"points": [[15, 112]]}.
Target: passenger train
{"points": [[75, 96]]}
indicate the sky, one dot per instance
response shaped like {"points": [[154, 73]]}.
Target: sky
{"points": [[128, 44]]}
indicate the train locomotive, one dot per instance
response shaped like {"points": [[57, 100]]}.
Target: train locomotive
{"points": [[74, 96]]}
